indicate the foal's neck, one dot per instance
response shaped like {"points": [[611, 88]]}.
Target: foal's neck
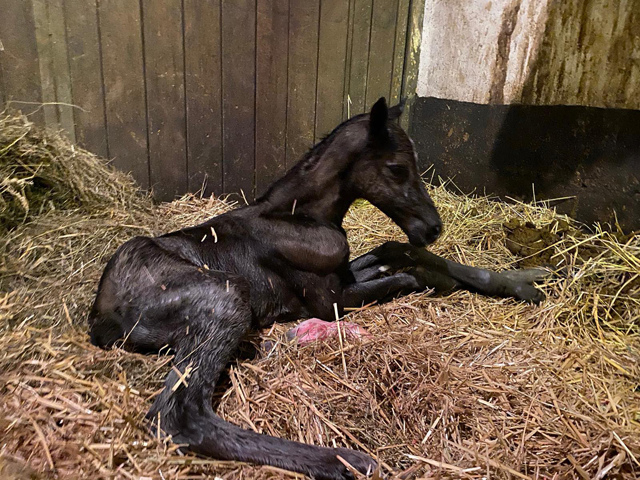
{"points": [[312, 195], [318, 185]]}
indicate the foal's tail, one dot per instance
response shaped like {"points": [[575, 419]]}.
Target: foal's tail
{"points": [[184, 409]]}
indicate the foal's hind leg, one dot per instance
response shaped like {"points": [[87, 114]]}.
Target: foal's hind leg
{"points": [[209, 315], [209, 318]]}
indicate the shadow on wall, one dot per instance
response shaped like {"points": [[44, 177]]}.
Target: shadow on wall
{"points": [[591, 154]]}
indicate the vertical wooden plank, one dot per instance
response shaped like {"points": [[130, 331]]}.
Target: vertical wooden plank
{"points": [[123, 71], [412, 58], [271, 90], [360, 55], [203, 87], [380, 71], [332, 52], [302, 76], [20, 69], [346, 102], [398, 51], [45, 63], [238, 97], [85, 69], [164, 72], [62, 76]]}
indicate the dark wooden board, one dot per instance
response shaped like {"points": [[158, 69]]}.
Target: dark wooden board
{"points": [[332, 52], [164, 70], [21, 71], [125, 97], [359, 55], [271, 90], [302, 78], [238, 98], [203, 90], [61, 72], [85, 68], [45, 63], [383, 33]]}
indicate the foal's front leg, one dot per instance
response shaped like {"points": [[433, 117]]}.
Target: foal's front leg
{"points": [[432, 271], [379, 289]]}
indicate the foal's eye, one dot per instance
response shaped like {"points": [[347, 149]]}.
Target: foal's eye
{"points": [[398, 170]]}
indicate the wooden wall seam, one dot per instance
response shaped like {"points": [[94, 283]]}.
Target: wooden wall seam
{"points": [[238, 102], [346, 109], [302, 46], [255, 105], [286, 118], [332, 54], [103, 88], [146, 93], [184, 90], [399, 51], [360, 48], [3, 98], [317, 75], [61, 68], [272, 39]]}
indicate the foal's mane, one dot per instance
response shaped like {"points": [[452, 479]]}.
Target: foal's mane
{"points": [[312, 155], [319, 148]]}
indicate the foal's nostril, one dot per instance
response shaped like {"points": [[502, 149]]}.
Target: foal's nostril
{"points": [[434, 231]]}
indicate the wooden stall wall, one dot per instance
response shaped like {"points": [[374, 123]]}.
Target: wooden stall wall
{"points": [[203, 94]]}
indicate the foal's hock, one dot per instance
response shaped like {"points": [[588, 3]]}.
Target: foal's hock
{"points": [[199, 290]]}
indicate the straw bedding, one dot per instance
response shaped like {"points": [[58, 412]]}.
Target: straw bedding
{"points": [[457, 386]]}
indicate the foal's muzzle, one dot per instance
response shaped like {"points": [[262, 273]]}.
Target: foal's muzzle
{"points": [[422, 233]]}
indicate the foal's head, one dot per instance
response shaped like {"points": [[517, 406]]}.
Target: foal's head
{"points": [[385, 173], [367, 156]]}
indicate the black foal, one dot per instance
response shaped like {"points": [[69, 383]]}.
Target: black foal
{"points": [[284, 257]]}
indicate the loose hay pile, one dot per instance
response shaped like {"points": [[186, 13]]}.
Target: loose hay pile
{"points": [[40, 173], [461, 386]]}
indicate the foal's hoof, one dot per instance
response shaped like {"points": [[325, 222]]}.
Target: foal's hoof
{"points": [[314, 330], [522, 281], [334, 469], [528, 293]]}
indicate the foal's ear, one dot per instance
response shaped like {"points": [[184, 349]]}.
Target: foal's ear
{"points": [[396, 111], [378, 117]]}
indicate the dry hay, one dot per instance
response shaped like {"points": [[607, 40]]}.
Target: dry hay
{"points": [[460, 386], [40, 173]]}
